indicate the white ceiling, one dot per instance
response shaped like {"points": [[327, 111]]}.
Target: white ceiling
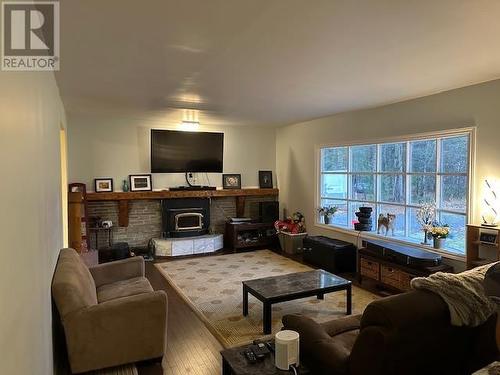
{"points": [[270, 62]]}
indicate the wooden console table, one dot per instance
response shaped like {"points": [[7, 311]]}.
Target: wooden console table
{"points": [[123, 198]]}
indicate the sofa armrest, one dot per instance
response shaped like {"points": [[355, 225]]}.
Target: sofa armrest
{"points": [[111, 272], [318, 348], [119, 331]]}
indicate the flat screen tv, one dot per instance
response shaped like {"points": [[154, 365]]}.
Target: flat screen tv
{"points": [[179, 151]]}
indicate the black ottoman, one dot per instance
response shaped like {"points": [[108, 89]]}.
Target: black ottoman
{"points": [[334, 256], [117, 251]]}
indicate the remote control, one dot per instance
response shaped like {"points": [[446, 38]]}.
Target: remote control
{"points": [[250, 356]]}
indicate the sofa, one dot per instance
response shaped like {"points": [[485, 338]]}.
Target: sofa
{"points": [[110, 313], [407, 334]]}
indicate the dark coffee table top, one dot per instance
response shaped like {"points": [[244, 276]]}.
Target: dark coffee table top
{"points": [[296, 283]]}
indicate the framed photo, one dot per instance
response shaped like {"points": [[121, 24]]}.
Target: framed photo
{"points": [[231, 181], [266, 179], [140, 182], [103, 185], [488, 237]]}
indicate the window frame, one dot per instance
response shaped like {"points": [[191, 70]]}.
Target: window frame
{"points": [[470, 132]]}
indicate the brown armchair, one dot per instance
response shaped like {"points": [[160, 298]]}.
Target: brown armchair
{"points": [[110, 313], [407, 334]]}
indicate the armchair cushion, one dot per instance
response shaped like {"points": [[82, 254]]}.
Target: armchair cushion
{"points": [[108, 273], [124, 288]]}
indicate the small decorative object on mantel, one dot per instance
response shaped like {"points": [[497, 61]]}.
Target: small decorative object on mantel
{"points": [[103, 185], [490, 204], [426, 215], [125, 186], [327, 212], [140, 182], [440, 233], [231, 181], [266, 179], [364, 222], [388, 222]]}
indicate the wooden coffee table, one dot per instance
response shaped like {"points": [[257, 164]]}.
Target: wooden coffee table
{"points": [[275, 289]]}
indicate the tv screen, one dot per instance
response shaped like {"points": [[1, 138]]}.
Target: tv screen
{"points": [[179, 151]]}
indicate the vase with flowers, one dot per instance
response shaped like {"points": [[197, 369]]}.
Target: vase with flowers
{"points": [[327, 212], [439, 234], [426, 215]]}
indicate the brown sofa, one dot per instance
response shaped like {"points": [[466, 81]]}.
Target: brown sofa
{"points": [[110, 313], [407, 334]]}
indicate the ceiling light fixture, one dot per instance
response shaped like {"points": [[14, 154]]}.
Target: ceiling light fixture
{"points": [[190, 119], [190, 123]]}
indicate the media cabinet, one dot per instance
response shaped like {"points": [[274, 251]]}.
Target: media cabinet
{"points": [[248, 235], [393, 266], [123, 198]]}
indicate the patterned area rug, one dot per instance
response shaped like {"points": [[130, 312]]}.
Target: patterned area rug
{"points": [[212, 287]]}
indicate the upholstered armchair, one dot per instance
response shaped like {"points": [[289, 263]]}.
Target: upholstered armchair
{"points": [[110, 313]]}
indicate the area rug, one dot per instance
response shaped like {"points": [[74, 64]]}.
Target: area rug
{"points": [[212, 287]]}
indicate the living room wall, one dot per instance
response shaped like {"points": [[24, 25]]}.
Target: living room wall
{"points": [[113, 145], [476, 105], [32, 225]]}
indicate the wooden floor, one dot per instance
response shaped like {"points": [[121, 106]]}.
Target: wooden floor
{"points": [[191, 348]]}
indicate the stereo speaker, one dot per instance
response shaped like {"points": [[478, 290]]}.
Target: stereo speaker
{"points": [[268, 212]]}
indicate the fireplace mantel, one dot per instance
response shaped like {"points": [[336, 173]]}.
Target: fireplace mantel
{"points": [[123, 198]]}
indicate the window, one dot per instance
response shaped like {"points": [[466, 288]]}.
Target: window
{"points": [[397, 177]]}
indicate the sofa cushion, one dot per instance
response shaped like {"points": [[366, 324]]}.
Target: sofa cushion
{"points": [[123, 288], [341, 325], [73, 286]]}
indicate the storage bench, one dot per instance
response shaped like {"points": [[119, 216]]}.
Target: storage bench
{"points": [[332, 255]]}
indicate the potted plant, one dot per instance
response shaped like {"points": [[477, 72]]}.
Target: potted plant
{"points": [[439, 234], [327, 212]]}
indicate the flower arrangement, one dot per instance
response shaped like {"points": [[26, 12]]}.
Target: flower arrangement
{"points": [[426, 215], [293, 224], [440, 231], [328, 210]]}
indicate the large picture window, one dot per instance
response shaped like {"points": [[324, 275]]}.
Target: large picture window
{"points": [[397, 178]]}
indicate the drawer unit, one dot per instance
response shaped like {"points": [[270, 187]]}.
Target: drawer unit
{"points": [[370, 269], [395, 277], [394, 266]]}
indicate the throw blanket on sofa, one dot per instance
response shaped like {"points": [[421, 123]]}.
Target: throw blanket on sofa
{"points": [[463, 293]]}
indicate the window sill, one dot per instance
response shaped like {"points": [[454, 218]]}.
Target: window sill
{"points": [[375, 236]]}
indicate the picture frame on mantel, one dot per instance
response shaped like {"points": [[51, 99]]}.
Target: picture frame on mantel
{"points": [[140, 182], [103, 185], [266, 179], [231, 181]]}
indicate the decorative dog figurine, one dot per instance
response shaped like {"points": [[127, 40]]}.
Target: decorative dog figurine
{"points": [[387, 222]]}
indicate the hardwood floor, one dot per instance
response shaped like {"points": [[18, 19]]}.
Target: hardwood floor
{"points": [[191, 348]]}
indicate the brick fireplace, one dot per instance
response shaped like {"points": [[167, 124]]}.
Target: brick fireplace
{"points": [[145, 217]]}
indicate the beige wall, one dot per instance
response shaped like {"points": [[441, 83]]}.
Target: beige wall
{"points": [[476, 105], [116, 146], [31, 218]]}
